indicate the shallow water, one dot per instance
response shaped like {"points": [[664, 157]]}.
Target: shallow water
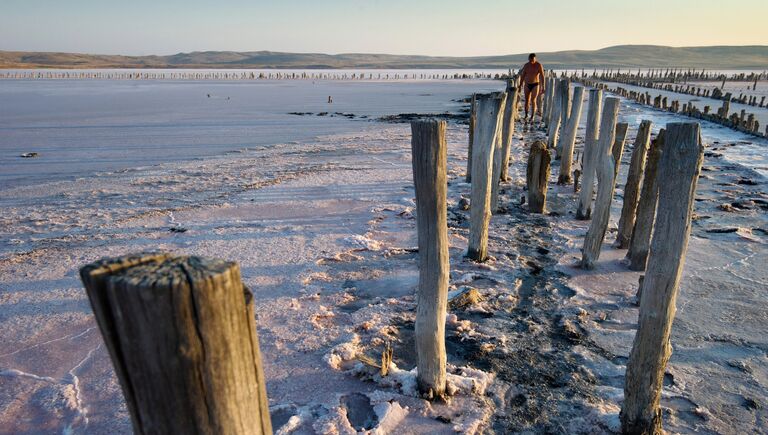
{"points": [[83, 126]]}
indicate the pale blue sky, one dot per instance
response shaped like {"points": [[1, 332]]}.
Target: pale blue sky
{"points": [[433, 27]]}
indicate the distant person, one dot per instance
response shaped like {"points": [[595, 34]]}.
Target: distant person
{"points": [[532, 79], [330, 100]]}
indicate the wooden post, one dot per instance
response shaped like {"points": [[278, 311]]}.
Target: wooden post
{"points": [[551, 87], [565, 111], [181, 332], [496, 164], [498, 156], [584, 210], [605, 185], [640, 241], [545, 107], [568, 138], [510, 113], [632, 187], [537, 175], [554, 116], [488, 113], [678, 172], [472, 121], [617, 150], [429, 152]]}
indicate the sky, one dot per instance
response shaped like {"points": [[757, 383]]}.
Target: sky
{"points": [[428, 27]]}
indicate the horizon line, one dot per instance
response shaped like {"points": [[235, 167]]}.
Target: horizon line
{"points": [[378, 53]]}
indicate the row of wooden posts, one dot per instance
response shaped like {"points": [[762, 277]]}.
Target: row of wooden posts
{"points": [[238, 75], [674, 75], [181, 331], [655, 223], [698, 91], [741, 121]]}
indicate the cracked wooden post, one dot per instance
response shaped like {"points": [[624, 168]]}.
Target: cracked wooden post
{"points": [[181, 332], [537, 176], [568, 138], [678, 172], [632, 186], [429, 152], [584, 209], [510, 113], [605, 185], [640, 241], [488, 114], [472, 122]]}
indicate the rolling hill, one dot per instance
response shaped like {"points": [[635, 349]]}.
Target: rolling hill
{"points": [[622, 56]]}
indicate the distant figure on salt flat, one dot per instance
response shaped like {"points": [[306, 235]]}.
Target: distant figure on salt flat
{"points": [[532, 78], [330, 100]]}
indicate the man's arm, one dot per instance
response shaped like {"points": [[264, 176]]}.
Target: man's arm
{"points": [[543, 80]]}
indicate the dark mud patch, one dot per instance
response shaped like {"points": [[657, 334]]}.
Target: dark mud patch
{"points": [[408, 117]]}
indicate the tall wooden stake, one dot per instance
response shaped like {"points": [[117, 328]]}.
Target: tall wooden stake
{"points": [[510, 113], [565, 111], [553, 127], [678, 172], [498, 152], [472, 122], [429, 176], [489, 110], [605, 185], [640, 241], [584, 210], [568, 138], [618, 147], [632, 187]]}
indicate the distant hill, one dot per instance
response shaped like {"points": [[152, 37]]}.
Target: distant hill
{"points": [[621, 56]]}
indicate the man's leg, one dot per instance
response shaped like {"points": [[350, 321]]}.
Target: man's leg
{"points": [[539, 99], [527, 101]]}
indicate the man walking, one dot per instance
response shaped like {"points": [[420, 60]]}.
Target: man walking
{"points": [[532, 79]]}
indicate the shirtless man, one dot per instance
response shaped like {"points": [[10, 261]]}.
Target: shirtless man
{"points": [[532, 78]]}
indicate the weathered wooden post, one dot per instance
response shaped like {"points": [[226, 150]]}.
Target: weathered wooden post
{"points": [[565, 112], [584, 210], [181, 332], [640, 241], [545, 107], [496, 166], [605, 185], [537, 176], [617, 150], [632, 186], [555, 115], [472, 121], [429, 152], [510, 113], [568, 138], [488, 114], [498, 156], [678, 172]]}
